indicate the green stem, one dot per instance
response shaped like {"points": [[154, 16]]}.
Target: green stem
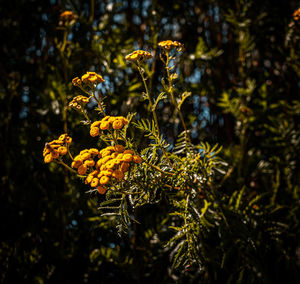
{"points": [[171, 92], [153, 111], [149, 97]]}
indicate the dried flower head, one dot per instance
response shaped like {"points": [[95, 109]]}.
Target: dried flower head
{"points": [[138, 55]]}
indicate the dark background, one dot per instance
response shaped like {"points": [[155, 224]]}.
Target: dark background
{"points": [[50, 228]]}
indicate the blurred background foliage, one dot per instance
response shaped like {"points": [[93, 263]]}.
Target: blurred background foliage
{"points": [[241, 64]]}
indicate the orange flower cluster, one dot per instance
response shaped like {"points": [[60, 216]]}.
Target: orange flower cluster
{"points": [[67, 16], [88, 77], [84, 160], [113, 162], [138, 55], [56, 148], [296, 15], [169, 44], [78, 101], [108, 122]]}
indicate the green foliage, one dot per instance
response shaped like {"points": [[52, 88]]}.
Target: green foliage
{"points": [[194, 212]]}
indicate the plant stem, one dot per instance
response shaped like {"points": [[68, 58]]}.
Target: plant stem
{"points": [[171, 92], [153, 111], [149, 97]]}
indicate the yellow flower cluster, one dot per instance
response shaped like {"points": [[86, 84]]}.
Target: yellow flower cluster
{"points": [[169, 44], [78, 101], [67, 16], [108, 122], [113, 162], [296, 15], [56, 148], [88, 77], [84, 160], [138, 55]]}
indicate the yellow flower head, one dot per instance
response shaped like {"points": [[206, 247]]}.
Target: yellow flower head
{"points": [[296, 15], [138, 55], [94, 182], [89, 163], [94, 151], [48, 158], [169, 44], [117, 124], [104, 125], [76, 81], [94, 131], [62, 150], [67, 16], [92, 77], [104, 180], [76, 164], [88, 179], [85, 156], [96, 123], [127, 158]]}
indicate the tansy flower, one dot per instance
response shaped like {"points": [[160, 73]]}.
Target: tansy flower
{"points": [[118, 175], [96, 123], [94, 131], [76, 164], [169, 44], [67, 16], [48, 158], [92, 77], [94, 182], [117, 124], [296, 15], [104, 180], [94, 151], [76, 81], [137, 159], [62, 150], [89, 163], [88, 179], [138, 55], [82, 169], [101, 189], [104, 125], [127, 158], [85, 156]]}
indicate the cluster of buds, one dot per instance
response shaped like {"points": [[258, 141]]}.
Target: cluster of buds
{"points": [[78, 102], [113, 163], [138, 55], [67, 18], [169, 45], [56, 148], [84, 160], [108, 122], [88, 78]]}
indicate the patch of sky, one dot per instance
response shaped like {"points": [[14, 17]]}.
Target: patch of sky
{"points": [[195, 77]]}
